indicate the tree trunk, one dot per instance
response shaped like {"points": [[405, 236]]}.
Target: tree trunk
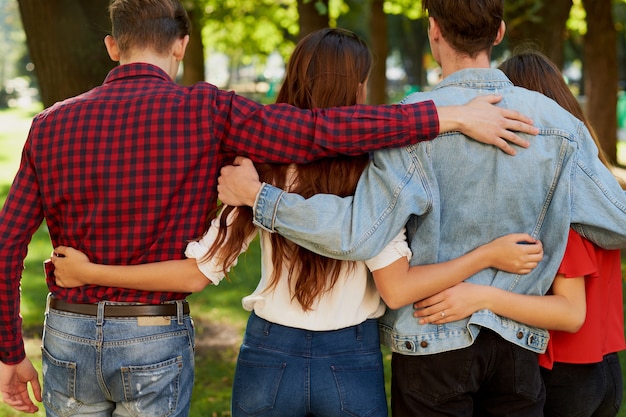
{"points": [[601, 75], [547, 34], [414, 43], [193, 63], [310, 18], [65, 40], [380, 49]]}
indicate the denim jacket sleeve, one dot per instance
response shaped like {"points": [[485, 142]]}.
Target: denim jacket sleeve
{"points": [[350, 228], [598, 201]]}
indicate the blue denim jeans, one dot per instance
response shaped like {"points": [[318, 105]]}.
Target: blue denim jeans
{"points": [[117, 366], [284, 371], [584, 390], [491, 377]]}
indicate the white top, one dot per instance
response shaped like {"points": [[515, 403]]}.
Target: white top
{"points": [[352, 300]]}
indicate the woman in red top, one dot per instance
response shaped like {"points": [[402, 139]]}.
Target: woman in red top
{"points": [[584, 308]]}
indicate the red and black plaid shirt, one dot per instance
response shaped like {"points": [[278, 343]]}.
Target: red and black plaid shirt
{"points": [[127, 172]]}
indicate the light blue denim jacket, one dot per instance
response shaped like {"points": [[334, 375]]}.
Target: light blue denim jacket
{"points": [[455, 194]]}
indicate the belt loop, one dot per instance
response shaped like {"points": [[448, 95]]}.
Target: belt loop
{"points": [[359, 331], [48, 298], [179, 311], [100, 314]]}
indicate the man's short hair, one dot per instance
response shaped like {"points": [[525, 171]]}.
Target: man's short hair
{"points": [[469, 26], [153, 24]]}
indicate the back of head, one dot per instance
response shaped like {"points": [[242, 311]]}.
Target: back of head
{"points": [[328, 68], [469, 26], [534, 71], [325, 70], [148, 24]]}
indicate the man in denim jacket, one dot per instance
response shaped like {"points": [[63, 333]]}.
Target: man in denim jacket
{"points": [[454, 194]]}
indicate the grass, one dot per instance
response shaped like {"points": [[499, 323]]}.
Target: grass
{"points": [[217, 311]]}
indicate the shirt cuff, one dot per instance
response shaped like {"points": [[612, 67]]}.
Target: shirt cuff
{"points": [[210, 268], [12, 351], [265, 207], [396, 249]]}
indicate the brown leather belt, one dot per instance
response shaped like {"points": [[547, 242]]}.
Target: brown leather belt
{"points": [[120, 310]]}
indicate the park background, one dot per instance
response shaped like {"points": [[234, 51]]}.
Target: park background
{"points": [[53, 49]]}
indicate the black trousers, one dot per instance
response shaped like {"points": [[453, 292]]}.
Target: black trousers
{"points": [[492, 377], [584, 390]]}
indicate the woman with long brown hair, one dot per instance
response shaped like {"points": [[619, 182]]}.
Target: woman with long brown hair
{"points": [[311, 345]]}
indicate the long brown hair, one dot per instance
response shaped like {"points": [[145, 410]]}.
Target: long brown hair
{"points": [[534, 71], [328, 68]]}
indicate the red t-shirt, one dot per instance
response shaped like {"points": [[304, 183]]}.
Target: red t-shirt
{"points": [[603, 330]]}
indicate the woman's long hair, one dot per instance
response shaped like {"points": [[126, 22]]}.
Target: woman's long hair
{"points": [[328, 68], [534, 71]]}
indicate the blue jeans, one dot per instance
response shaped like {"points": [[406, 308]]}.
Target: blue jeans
{"points": [[584, 390], [284, 371], [491, 377], [116, 367]]}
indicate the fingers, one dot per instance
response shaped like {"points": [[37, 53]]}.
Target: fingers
{"points": [[512, 137], [240, 160], [489, 98], [519, 122], [34, 383], [436, 317], [505, 146], [21, 401], [59, 251]]}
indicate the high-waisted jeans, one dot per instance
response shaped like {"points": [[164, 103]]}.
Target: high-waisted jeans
{"points": [[284, 371], [101, 367]]}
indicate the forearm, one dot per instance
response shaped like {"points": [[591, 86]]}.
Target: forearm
{"points": [[306, 135], [176, 276], [324, 224], [399, 284], [553, 312], [350, 228]]}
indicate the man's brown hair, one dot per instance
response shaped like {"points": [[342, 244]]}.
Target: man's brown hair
{"points": [[152, 24], [469, 26]]}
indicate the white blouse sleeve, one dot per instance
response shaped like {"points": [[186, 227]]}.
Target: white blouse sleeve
{"points": [[212, 268], [396, 249]]}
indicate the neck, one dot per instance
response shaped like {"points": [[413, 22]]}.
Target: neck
{"points": [[455, 62], [166, 63]]}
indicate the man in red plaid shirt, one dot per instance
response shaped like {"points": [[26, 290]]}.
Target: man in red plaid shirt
{"points": [[125, 173]]}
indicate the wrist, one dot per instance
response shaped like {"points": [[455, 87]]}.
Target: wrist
{"points": [[252, 192], [450, 118]]}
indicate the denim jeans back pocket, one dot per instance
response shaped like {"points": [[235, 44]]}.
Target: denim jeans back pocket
{"points": [[361, 390], [62, 376], [152, 389], [256, 387]]}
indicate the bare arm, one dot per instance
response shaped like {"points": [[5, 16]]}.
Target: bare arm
{"points": [[400, 284], [72, 268], [565, 309]]}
